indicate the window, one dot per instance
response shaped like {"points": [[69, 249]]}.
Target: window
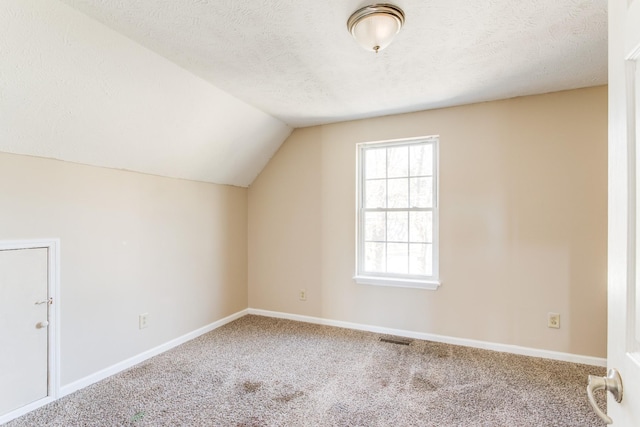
{"points": [[397, 228]]}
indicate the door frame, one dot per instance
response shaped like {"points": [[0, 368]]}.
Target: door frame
{"points": [[53, 278]]}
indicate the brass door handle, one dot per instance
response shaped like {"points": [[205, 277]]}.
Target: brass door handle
{"points": [[612, 383]]}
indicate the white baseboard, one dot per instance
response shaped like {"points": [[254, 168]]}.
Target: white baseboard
{"points": [[25, 409], [505, 348], [125, 364]]}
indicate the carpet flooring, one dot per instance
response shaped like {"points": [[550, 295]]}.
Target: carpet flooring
{"points": [[259, 371]]}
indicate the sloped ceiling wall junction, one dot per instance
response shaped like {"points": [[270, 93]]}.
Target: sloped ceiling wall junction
{"points": [[73, 89], [295, 59], [208, 90]]}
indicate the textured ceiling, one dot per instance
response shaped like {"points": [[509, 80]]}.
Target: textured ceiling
{"points": [[75, 90], [208, 89], [295, 59]]}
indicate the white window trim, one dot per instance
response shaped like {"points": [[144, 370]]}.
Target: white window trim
{"points": [[405, 281], [431, 285]]}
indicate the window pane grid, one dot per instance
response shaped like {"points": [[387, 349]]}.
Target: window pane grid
{"points": [[401, 188], [399, 177], [397, 210], [418, 230]]}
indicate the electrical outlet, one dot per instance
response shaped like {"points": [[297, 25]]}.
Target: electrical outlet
{"points": [[553, 320], [303, 295], [143, 320]]}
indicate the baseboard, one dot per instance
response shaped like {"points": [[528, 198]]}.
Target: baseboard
{"points": [[125, 364], [25, 409], [505, 348]]}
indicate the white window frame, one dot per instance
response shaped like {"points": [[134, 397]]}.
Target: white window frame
{"points": [[390, 279]]}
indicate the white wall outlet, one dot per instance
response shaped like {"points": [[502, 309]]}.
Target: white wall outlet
{"points": [[553, 320], [143, 320], [303, 295]]}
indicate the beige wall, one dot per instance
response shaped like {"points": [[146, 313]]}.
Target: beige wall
{"points": [[523, 232], [130, 244], [523, 205]]}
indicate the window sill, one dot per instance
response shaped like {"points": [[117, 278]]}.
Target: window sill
{"points": [[431, 285]]}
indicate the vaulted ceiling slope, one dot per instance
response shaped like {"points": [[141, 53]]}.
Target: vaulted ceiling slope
{"points": [[208, 89], [76, 90], [295, 59]]}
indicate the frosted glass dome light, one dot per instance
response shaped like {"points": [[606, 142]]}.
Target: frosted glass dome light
{"points": [[375, 26]]}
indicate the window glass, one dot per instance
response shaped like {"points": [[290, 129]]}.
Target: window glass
{"points": [[397, 210]]}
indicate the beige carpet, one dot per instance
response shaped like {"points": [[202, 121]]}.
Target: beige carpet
{"points": [[259, 371]]}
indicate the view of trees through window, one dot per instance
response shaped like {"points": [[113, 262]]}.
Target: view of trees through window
{"points": [[397, 209]]}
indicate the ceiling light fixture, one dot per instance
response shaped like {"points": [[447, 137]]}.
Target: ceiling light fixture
{"points": [[375, 26]]}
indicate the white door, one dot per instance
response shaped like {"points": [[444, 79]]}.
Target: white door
{"points": [[624, 210], [24, 331]]}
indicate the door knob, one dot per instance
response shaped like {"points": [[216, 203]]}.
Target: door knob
{"points": [[612, 383], [42, 324]]}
